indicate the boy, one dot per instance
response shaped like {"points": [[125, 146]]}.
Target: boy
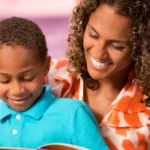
{"points": [[30, 116]]}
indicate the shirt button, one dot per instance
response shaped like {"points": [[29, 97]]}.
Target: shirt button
{"points": [[18, 117], [14, 131]]}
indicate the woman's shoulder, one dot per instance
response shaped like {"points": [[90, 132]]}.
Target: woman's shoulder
{"points": [[128, 110], [62, 82], [58, 63], [58, 70], [127, 121]]}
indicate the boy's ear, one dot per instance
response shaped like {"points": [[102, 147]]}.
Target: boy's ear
{"points": [[47, 65]]}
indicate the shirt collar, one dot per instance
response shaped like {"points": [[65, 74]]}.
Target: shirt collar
{"points": [[36, 111], [129, 99], [4, 110]]}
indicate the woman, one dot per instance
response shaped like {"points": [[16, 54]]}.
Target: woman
{"points": [[107, 38]]}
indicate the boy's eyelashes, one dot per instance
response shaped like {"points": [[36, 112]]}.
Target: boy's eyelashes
{"points": [[28, 79], [4, 82]]}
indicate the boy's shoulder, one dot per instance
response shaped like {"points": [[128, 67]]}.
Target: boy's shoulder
{"points": [[61, 102], [67, 106], [69, 102]]}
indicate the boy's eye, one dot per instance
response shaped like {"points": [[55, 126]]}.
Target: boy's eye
{"points": [[28, 79], [5, 82]]}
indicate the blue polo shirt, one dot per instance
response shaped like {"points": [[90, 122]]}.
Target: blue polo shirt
{"points": [[50, 120]]}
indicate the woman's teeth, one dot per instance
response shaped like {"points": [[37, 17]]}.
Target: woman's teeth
{"points": [[98, 64]]}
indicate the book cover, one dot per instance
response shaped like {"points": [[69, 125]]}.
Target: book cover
{"points": [[55, 146]]}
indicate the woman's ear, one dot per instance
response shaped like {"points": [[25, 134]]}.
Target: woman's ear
{"points": [[47, 65]]}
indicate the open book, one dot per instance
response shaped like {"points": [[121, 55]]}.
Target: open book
{"points": [[55, 146]]}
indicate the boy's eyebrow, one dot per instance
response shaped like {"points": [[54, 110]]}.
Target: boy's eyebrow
{"points": [[27, 71], [5, 74], [117, 41]]}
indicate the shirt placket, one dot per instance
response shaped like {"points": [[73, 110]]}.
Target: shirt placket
{"points": [[16, 129]]}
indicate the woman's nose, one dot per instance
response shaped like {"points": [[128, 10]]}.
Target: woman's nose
{"points": [[100, 49]]}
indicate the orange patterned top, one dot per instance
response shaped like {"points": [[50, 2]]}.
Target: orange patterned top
{"points": [[125, 125]]}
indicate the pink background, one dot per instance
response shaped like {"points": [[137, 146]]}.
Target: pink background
{"points": [[51, 15]]}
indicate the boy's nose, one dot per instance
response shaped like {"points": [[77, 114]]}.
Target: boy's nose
{"points": [[17, 89]]}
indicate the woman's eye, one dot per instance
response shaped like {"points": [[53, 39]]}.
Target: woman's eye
{"points": [[93, 36], [117, 47]]}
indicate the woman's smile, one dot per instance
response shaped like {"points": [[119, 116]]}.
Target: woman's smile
{"points": [[100, 65]]}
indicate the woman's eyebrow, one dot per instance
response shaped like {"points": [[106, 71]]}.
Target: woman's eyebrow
{"points": [[113, 40], [93, 29]]}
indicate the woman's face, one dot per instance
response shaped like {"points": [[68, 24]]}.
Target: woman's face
{"points": [[106, 43]]}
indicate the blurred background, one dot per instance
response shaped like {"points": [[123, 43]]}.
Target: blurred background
{"points": [[51, 15]]}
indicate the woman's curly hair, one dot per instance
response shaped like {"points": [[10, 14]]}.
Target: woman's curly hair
{"points": [[139, 12], [19, 31]]}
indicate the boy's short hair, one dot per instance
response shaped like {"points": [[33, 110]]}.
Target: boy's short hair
{"points": [[23, 32]]}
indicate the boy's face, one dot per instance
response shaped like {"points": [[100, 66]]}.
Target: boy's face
{"points": [[21, 77]]}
